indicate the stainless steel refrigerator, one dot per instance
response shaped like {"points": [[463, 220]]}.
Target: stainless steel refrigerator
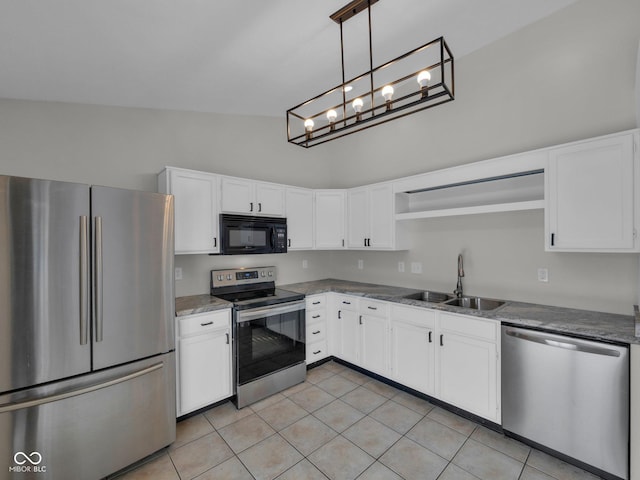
{"points": [[86, 328]]}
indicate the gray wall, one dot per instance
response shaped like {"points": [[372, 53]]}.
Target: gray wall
{"points": [[567, 77]]}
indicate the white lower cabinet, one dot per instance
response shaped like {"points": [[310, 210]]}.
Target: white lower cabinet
{"points": [[316, 328], [203, 360], [413, 350], [468, 364], [362, 332]]}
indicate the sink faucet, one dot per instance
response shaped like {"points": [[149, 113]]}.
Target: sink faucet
{"points": [[458, 290]]}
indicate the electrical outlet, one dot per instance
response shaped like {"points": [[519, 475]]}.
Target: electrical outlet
{"points": [[416, 267], [305, 264], [360, 264], [543, 275], [178, 273], [401, 267]]}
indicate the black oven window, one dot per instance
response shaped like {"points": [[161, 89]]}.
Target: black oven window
{"points": [[239, 237], [268, 344]]}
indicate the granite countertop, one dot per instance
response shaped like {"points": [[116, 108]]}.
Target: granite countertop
{"points": [[199, 304], [608, 327]]}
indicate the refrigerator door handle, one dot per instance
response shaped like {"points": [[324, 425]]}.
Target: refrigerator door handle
{"points": [[84, 280], [10, 407], [97, 278]]}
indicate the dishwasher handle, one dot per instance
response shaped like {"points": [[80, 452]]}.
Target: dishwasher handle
{"points": [[566, 342]]}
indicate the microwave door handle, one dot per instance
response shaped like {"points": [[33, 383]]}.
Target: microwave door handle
{"points": [[273, 238]]}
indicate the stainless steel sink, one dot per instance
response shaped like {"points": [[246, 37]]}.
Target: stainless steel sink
{"points": [[475, 303], [430, 296]]}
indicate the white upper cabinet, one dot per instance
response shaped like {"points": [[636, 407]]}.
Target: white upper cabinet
{"points": [[196, 209], [299, 203], [591, 204], [249, 197], [371, 218], [329, 219]]}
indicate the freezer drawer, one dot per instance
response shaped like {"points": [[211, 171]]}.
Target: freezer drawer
{"points": [[91, 426], [569, 395]]}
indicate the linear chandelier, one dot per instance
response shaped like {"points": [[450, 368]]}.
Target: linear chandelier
{"points": [[419, 79]]}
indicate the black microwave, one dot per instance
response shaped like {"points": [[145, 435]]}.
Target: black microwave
{"points": [[245, 235]]}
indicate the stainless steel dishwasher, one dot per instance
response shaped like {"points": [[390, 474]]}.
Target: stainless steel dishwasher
{"points": [[569, 395]]}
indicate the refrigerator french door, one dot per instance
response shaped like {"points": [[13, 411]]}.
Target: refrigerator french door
{"points": [[86, 328]]}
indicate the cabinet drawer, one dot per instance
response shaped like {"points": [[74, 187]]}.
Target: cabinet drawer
{"points": [[344, 302], [469, 326], [374, 307], [204, 322], [316, 332], [316, 301], [421, 317], [315, 316], [316, 351]]}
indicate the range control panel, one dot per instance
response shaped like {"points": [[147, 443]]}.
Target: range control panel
{"points": [[242, 276]]}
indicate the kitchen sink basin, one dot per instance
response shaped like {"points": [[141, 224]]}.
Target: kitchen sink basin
{"points": [[475, 303], [430, 296]]}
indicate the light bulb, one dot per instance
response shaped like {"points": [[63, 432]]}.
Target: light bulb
{"points": [[423, 78], [348, 88], [357, 105], [308, 129], [332, 115], [308, 125], [387, 92]]}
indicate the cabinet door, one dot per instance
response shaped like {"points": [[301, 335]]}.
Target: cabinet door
{"points": [[413, 356], [349, 336], [374, 347], [204, 369], [590, 196], [299, 219], [329, 219], [468, 374], [196, 211], [237, 196], [269, 199], [357, 218], [381, 217]]}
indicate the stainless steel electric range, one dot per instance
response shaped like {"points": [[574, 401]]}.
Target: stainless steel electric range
{"points": [[268, 332]]}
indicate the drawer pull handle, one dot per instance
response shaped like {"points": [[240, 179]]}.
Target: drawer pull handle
{"points": [[315, 316], [316, 332], [372, 308], [315, 353], [316, 303], [206, 323]]}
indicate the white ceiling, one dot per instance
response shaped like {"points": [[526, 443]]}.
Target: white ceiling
{"points": [[236, 56]]}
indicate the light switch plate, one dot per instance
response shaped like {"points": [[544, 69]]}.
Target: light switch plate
{"points": [[360, 264], [178, 273], [401, 267], [416, 267]]}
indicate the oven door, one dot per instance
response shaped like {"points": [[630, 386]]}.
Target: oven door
{"points": [[268, 339]]}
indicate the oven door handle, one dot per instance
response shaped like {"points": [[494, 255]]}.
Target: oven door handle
{"points": [[252, 314]]}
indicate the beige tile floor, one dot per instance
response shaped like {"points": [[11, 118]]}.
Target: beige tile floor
{"points": [[343, 425]]}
